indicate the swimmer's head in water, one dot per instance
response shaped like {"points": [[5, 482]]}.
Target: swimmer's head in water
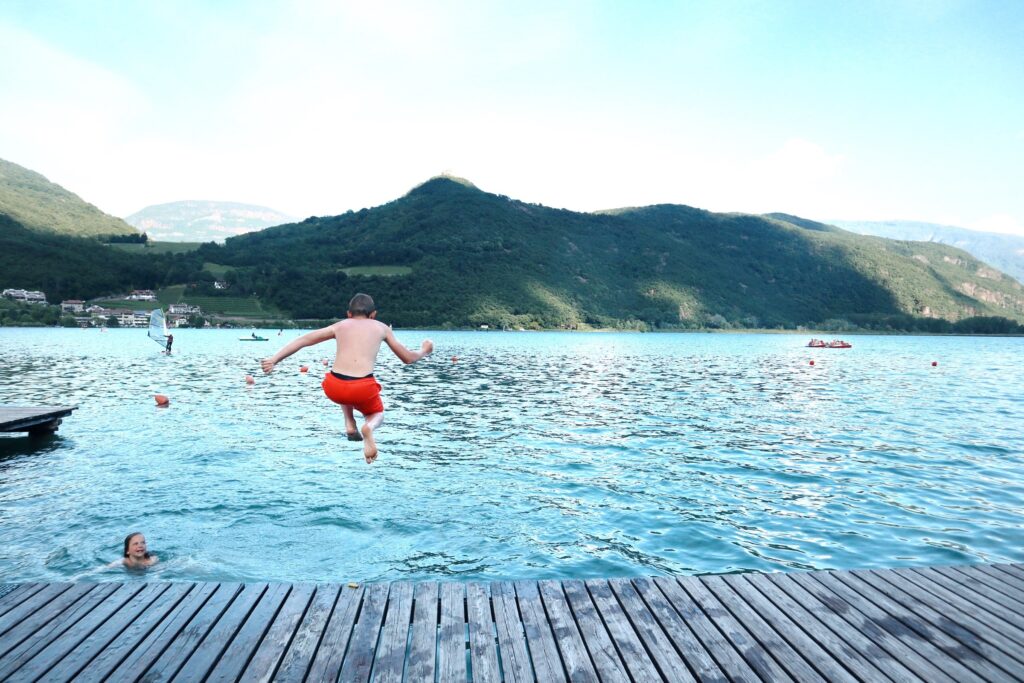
{"points": [[361, 304], [135, 546]]}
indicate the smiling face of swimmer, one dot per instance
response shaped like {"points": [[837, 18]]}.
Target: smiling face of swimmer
{"points": [[135, 548]]}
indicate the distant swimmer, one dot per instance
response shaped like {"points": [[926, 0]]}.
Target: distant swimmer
{"points": [[351, 383], [135, 554], [170, 341]]}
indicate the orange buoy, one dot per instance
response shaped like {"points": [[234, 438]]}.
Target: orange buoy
{"points": [[249, 379], [162, 400], [304, 369]]}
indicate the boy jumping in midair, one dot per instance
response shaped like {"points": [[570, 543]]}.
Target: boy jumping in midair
{"points": [[351, 383]]}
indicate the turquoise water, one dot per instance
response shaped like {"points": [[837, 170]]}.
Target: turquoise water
{"points": [[547, 455]]}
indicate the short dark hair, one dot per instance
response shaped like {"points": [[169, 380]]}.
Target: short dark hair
{"points": [[361, 304], [128, 540]]}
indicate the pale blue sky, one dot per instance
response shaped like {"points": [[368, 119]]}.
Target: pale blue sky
{"points": [[830, 110]]}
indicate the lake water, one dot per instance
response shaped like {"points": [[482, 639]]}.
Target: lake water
{"points": [[542, 455]]}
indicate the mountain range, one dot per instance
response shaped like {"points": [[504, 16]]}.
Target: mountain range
{"points": [[1005, 252], [203, 221], [448, 254]]}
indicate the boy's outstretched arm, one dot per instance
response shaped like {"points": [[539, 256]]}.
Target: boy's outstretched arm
{"points": [[308, 339], [404, 354]]}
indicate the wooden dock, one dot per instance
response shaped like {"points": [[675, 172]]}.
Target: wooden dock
{"points": [[44, 420], [954, 624]]}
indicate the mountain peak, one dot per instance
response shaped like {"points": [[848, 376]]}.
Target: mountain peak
{"points": [[442, 183]]}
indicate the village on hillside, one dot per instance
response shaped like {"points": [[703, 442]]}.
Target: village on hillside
{"points": [[94, 315]]}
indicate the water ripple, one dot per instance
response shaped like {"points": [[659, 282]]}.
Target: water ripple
{"points": [[535, 455]]}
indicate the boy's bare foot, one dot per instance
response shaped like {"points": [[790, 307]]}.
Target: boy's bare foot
{"points": [[354, 436], [369, 445]]}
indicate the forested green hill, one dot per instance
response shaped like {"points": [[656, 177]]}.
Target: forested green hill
{"points": [[37, 204], [470, 257]]}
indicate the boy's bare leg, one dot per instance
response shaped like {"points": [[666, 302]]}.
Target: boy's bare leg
{"points": [[351, 430], [372, 422]]}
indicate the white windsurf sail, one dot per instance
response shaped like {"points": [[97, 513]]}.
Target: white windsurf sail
{"points": [[158, 327]]}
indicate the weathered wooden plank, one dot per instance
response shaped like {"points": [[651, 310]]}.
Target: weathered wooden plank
{"points": [[106, 633], [242, 647], [939, 615], [869, 620], [940, 593], [165, 632], [983, 584], [1007, 621], [177, 653], [422, 657], [52, 628], [36, 602], [268, 655], [483, 647], [547, 663], [1015, 570], [761, 630], [679, 633], [839, 648], [116, 652], [609, 666], [884, 650], [45, 659], [301, 651], [326, 665], [575, 657], [625, 637], [451, 645], [204, 657], [881, 611], [759, 659], [710, 638], [802, 636], [997, 580], [363, 645], [21, 592], [661, 650], [389, 665], [23, 418], [37, 619], [512, 650]]}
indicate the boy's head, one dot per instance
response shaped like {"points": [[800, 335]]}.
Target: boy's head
{"points": [[361, 305]]}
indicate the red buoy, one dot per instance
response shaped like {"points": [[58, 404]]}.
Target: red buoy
{"points": [[162, 400], [934, 363], [812, 362], [249, 379], [455, 359], [304, 369]]}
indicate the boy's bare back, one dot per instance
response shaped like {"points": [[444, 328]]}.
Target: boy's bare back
{"points": [[358, 342]]}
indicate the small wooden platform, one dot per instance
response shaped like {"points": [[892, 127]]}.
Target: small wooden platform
{"points": [[43, 420], [951, 624]]}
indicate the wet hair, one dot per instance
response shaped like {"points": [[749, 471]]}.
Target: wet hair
{"points": [[361, 304], [128, 539]]}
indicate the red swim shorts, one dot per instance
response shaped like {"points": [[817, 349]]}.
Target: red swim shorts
{"points": [[362, 394]]}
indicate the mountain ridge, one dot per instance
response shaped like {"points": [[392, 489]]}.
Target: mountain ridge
{"points": [[31, 200], [1005, 252], [510, 263], [199, 220]]}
